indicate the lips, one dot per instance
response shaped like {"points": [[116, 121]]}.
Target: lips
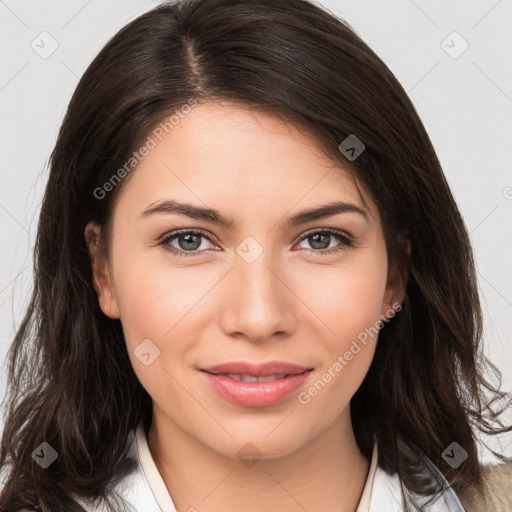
{"points": [[256, 385]]}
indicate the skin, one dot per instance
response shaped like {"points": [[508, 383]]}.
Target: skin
{"points": [[290, 304]]}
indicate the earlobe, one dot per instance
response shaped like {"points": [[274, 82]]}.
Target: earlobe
{"points": [[102, 279]]}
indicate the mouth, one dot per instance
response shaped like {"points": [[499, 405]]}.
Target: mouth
{"points": [[252, 385], [267, 369], [252, 378]]}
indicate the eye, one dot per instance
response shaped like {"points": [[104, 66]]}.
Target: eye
{"points": [[321, 241], [189, 242]]}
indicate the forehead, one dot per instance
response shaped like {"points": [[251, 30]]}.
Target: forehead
{"points": [[230, 157]]}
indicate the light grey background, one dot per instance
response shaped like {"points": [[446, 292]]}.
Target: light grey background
{"points": [[465, 102]]}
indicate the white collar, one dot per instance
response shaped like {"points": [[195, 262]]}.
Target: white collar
{"points": [[153, 476], [364, 502]]}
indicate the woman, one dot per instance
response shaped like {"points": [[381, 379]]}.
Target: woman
{"points": [[253, 286]]}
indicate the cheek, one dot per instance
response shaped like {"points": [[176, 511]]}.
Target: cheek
{"points": [[153, 307], [347, 298], [164, 304], [352, 312], [152, 295], [349, 302], [145, 302]]}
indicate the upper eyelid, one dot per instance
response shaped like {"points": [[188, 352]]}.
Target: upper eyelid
{"points": [[180, 231], [328, 230]]}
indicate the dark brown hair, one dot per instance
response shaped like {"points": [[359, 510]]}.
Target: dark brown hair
{"points": [[71, 383]]}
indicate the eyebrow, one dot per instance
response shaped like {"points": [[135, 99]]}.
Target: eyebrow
{"points": [[212, 215]]}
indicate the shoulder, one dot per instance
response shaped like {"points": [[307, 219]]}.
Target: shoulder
{"points": [[497, 494], [133, 488], [387, 495]]}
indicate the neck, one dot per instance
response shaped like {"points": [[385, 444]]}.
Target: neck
{"points": [[327, 473]]}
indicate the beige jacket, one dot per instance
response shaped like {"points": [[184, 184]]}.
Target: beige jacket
{"points": [[498, 496]]}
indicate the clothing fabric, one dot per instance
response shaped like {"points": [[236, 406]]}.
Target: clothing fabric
{"points": [[145, 490]]}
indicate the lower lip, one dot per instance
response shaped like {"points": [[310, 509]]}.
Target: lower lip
{"points": [[256, 394]]}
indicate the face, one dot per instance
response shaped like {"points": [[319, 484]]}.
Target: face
{"points": [[267, 285]]}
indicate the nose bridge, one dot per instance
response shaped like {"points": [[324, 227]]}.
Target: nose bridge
{"points": [[259, 303], [257, 279], [256, 270]]}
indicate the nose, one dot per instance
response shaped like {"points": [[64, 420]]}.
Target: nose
{"points": [[259, 303]]}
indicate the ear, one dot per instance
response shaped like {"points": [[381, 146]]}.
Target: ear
{"points": [[396, 283], [102, 279]]}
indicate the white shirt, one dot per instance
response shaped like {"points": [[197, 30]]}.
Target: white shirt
{"points": [[145, 490]]}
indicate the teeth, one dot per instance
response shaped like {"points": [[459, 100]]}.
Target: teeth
{"points": [[252, 378]]}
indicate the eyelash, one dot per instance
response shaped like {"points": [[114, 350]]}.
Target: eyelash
{"points": [[344, 238]]}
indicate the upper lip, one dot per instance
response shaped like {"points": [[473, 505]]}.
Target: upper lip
{"points": [[258, 370]]}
